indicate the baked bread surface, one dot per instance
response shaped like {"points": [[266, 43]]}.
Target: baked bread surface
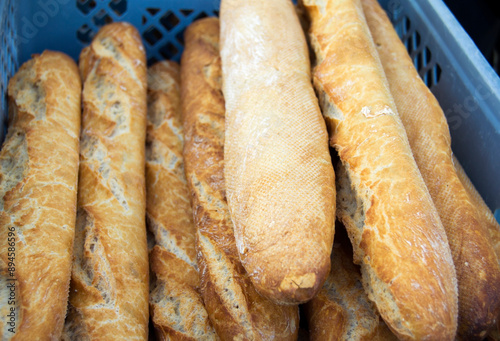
{"points": [[476, 264], [236, 310], [485, 213], [110, 278], [38, 186], [176, 306], [397, 236], [279, 176], [342, 310]]}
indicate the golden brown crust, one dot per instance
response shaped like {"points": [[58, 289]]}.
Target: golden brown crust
{"points": [[38, 184], [342, 310], [110, 277], [236, 310], [176, 307], [279, 176], [397, 236], [485, 214], [476, 265]]}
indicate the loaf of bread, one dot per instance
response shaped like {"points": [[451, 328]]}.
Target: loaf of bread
{"points": [[38, 185], [397, 236], [176, 307], [485, 214], [279, 176], [110, 278], [342, 310], [235, 308], [476, 265]]}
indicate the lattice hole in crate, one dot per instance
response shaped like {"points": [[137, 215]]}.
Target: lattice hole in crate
{"points": [[85, 34], [102, 18], [180, 37], [200, 16], [152, 61], [118, 6], [153, 11], [169, 20], [152, 35], [86, 6], [432, 76], [186, 12], [413, 42], [168, 51], [428, 69]]}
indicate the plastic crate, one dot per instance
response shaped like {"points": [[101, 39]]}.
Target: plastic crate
{"points": [[451, 65]]}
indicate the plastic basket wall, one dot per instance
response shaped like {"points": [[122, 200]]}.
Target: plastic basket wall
{"points": [[448, 61]]}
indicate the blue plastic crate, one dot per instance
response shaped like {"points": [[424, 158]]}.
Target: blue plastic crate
{"points": [[447, 59]]}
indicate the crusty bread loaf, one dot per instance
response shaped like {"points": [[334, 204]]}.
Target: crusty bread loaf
{"points": [[342, 310], [382, 200], [476, 265], [236, 310], [38, 184], [278, 171], [485, 214], [176, 307], [109, 284]]}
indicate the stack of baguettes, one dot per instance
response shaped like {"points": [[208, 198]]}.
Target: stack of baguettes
{"points": [[231, 170], [413, 229]]}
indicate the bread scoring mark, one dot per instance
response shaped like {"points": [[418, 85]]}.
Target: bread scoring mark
{"points": [[112, 104], [109, 49], [228, 290], [332, 114], [91, 263], [74, 328], [156, 113], [209, 202], [171, 304], [182, 309], [94, 153], [28, 94], [161, 81], [217, 127], [164, 239], [350, 207], [361, 312], [158, 154], [14, 163], [351, 212], [379, 292]]}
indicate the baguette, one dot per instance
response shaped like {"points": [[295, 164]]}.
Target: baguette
{"points": [[176, 307], [279, 175], [38, 184], [235, 308], [485, 214], [397, 237], [109, 284], [342, 310], [476, 265]]}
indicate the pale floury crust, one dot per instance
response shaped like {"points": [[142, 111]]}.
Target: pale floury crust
{"points": [[396, 232], [176, 306], [38, 185], [279, 176], [476, 265], [235, 308], [110, 277]]}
